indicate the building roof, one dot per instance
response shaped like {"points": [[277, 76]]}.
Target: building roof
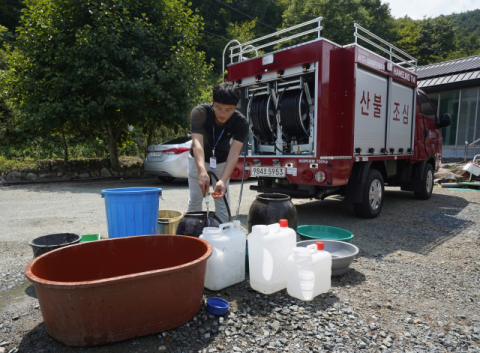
{"points": [[449, 72], [448, 67]]}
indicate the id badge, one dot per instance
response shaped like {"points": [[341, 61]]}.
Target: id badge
{"points": [[213, 163]]}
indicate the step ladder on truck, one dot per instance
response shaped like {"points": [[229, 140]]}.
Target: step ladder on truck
{"points": [[327, 119]]}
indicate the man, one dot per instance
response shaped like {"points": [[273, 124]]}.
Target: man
{"points": [[218, 134]]}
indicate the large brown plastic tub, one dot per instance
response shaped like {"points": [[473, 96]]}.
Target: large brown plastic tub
{"points": [[109, 290]]}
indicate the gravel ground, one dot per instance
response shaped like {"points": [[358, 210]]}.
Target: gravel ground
{"points": [[414, 287]]}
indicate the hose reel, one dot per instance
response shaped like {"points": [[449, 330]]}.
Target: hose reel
{"points": [[262, 113], [294, 115]]}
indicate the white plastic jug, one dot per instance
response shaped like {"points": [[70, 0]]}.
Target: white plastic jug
{"points": [[226, 266], [268, 250], [309, 272]]}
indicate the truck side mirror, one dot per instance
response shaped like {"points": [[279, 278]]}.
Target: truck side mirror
{"points": [[445, 121]]}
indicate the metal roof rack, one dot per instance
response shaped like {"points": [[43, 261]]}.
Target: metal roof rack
{"points": [[405, 59], [247, 47]]}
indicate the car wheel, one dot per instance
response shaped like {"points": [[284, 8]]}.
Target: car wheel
{"points": [[427, 184], [373, 196], [166, 179]]}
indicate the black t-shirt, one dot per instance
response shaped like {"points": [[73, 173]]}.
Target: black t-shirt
{"points": [[202, 120]]}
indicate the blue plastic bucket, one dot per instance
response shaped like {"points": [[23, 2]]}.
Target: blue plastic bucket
{"points": [[131, 211]]}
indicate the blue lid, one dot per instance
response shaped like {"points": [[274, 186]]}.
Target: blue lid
{"points": [[217, 306]]}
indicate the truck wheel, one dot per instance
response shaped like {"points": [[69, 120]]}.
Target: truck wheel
{"points": [[373, 196], [427, 184]]}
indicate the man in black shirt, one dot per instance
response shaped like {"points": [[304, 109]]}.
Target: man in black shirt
{"points": [[218, 134]]}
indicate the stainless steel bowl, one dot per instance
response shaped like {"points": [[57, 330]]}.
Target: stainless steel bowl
{"points": [[343, 253]]}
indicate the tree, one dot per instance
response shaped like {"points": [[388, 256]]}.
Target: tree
{"points": [[103, 65], [408, 35], [436, 38], [10, 12], [340, 15], [466, 43], [220, 15], [429, 40]]}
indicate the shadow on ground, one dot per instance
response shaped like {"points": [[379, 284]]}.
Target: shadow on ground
{"points": [[405, 223]]}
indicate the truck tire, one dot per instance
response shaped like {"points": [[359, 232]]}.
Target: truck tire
{"points": [[427, 184], [373, 196]]}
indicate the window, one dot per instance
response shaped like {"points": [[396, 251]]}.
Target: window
{"points": [[466, 122], [427, 107], [449, 102]]}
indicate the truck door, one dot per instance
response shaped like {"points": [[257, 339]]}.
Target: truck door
{"points": [[431, 135]]}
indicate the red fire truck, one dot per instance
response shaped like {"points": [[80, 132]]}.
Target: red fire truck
{"points": [[327, 119]]}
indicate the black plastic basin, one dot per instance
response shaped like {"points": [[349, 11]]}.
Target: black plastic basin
{"points": [[46, 243]]}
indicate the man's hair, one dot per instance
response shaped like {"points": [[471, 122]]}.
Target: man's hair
{"points": [[226, 93]]}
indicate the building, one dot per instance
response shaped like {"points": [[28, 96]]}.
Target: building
{"points": [[454, 88]]}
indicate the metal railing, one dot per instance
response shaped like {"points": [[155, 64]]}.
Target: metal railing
{"points": [[247, 47], [467, 145], [393, 51]]}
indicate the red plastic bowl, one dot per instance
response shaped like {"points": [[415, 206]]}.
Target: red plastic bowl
{"points": [[110, 290]]}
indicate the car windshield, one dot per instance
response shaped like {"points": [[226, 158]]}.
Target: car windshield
{"points": [[178, 140]]}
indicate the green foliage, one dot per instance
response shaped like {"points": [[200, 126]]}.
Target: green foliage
{"points": [[407, 34], [103, 65], [340, 15], [226, 20], [467, 44], [470, 21], [8, 165], [435, 40], [10, 11]]}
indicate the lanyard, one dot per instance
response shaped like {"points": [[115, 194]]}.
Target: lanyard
{"points": [[216, 143]]}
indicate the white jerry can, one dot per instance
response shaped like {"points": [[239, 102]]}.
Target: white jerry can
{"points": [[309, 272], [268, 250], [226, 266]]}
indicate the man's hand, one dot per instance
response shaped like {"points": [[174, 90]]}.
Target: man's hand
{"points": [[219, 190], [203, 182]]}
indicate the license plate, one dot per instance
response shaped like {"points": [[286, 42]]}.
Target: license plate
{"points": [[156, 154], [270, 172]]}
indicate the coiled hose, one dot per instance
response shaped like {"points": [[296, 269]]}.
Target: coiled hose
{"points": [[294, 114]]}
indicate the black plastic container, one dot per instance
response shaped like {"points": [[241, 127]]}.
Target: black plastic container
{"points": [[46, 243], [271, 208], [192, 223]]}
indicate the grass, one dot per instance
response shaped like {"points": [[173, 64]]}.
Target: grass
{"points": [[45, 165], [9, 165]]}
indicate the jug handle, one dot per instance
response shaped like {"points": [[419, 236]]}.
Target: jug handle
{"points": [[225, 225]]}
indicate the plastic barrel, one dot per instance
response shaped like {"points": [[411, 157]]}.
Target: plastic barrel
{"points": [[131, 211]]}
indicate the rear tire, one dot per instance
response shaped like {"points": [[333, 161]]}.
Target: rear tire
{"points": [[373, 196], [166, 179], [427, 184]]}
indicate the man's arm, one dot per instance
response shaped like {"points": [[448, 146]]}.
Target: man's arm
{"points": [[199, 154], [230, 164]]}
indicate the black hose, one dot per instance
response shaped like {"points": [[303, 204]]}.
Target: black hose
{"points": [[293, 108], [224, 196], [264, 124]]}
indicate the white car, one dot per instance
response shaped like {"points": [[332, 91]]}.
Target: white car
{"points": [[169, 160]]}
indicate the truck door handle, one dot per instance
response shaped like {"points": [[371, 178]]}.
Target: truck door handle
{"points": [[425, 133]]}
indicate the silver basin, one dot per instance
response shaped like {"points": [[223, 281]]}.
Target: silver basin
{"points": [[343, 253]]}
